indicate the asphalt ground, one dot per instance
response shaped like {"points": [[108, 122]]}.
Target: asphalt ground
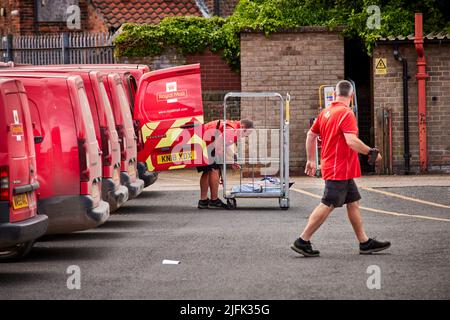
{"points": [[245, 253]]}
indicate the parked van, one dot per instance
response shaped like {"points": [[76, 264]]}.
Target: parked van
{"points": [[127, 136], [130, 74], [68, 156], [130, 83], [169, 111], [113, 191], [20, 225], [167, 115]]}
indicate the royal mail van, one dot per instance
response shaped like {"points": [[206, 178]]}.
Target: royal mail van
{"points": [[130, 74], [127, 137], [20, 225], [167, 115], [169, 112], [68, 157], [113, 191]]}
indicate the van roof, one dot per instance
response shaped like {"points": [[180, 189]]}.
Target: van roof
{"points": [[5, 85], [21, 74]]}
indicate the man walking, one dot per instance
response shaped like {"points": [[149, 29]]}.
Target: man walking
{"points": [[338, 129]]}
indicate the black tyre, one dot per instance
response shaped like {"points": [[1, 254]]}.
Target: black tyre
{"points": [[16, 252], [231, 204]]}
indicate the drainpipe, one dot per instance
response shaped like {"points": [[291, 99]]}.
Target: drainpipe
{"points": [[406, 154], [217, 8], [421, 77]]}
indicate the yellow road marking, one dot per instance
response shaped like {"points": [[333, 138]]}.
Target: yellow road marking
{"points": [[407, 198], [392, 213]]}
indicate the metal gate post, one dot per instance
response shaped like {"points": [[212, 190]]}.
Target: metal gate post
{"points": [[65, 48], [9, 48]]}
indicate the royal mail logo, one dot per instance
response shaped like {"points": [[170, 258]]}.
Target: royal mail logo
{"points": [[171, 97], [172, 93]]}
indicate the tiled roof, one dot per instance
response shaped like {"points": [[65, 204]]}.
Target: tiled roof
{"points": [[430, 36], [117, 12]]}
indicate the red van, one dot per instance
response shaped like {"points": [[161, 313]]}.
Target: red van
{"points": [[20, 225], [167, 112], [68, 156], [130, 74], [127, 136], [105, 129]]}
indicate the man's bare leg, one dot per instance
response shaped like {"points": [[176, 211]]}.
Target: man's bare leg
{"points": [[317, 217], [214, 178], [204, 185], [354, 215]]}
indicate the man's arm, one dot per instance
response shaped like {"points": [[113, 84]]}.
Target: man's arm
{"points": [[311, 140], [356, 144]]}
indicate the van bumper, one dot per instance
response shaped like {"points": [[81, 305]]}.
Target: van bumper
{"points": [[134, 188], [73, 213], [23, 231], [148, 177], [115, 196]]}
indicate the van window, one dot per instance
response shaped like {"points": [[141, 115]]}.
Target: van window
{"points": [[86, 110]]}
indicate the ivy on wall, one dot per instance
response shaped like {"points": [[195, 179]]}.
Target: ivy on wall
{"points": [[196, 34]]}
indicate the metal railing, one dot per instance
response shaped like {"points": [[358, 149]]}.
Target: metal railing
{"points": [[63, 48]]}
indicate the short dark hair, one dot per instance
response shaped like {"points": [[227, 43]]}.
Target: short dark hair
{"points": [[248, 124], [344, 89]]}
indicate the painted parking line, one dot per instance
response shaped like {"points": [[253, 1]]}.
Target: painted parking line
{"points": [[392, 213], [407, 198]]}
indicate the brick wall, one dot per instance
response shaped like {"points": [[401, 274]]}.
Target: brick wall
{"points": [[295, 62], [226, 6], [388, 93], [8, 23], [25, 23], [217, 77]]}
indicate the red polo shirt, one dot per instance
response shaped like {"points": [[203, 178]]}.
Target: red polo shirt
{"points": [[210, 128], [338, 161]]}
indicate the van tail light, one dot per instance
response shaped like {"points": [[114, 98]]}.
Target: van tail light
{"points": [[4, 183], [83, 154], [106, 146]]}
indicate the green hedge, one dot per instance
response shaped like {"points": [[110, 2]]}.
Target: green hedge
{"points": [[195, 34]]}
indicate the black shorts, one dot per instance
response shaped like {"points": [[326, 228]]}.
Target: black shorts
{"points": [[209, 168], [340, 192]]}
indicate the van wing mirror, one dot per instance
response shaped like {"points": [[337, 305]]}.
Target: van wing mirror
{"points": [[38, 139]]}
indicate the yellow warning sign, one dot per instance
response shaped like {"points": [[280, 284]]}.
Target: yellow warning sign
{"points": [[380, 66]]}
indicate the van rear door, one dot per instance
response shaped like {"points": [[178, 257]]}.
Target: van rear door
{"points": [[91, 164], [21, 155], [169, 113]]}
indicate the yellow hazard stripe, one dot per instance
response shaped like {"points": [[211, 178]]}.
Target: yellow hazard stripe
{"points": [[177, 167], [196, 139]]}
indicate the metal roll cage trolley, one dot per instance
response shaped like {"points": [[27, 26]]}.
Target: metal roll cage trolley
{"points": [[281, 192]]}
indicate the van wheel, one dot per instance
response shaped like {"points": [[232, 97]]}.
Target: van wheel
{"points": [[16, 253]]}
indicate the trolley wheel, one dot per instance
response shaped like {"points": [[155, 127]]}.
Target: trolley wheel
{"points": [[231, 204], [284, 203]]}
